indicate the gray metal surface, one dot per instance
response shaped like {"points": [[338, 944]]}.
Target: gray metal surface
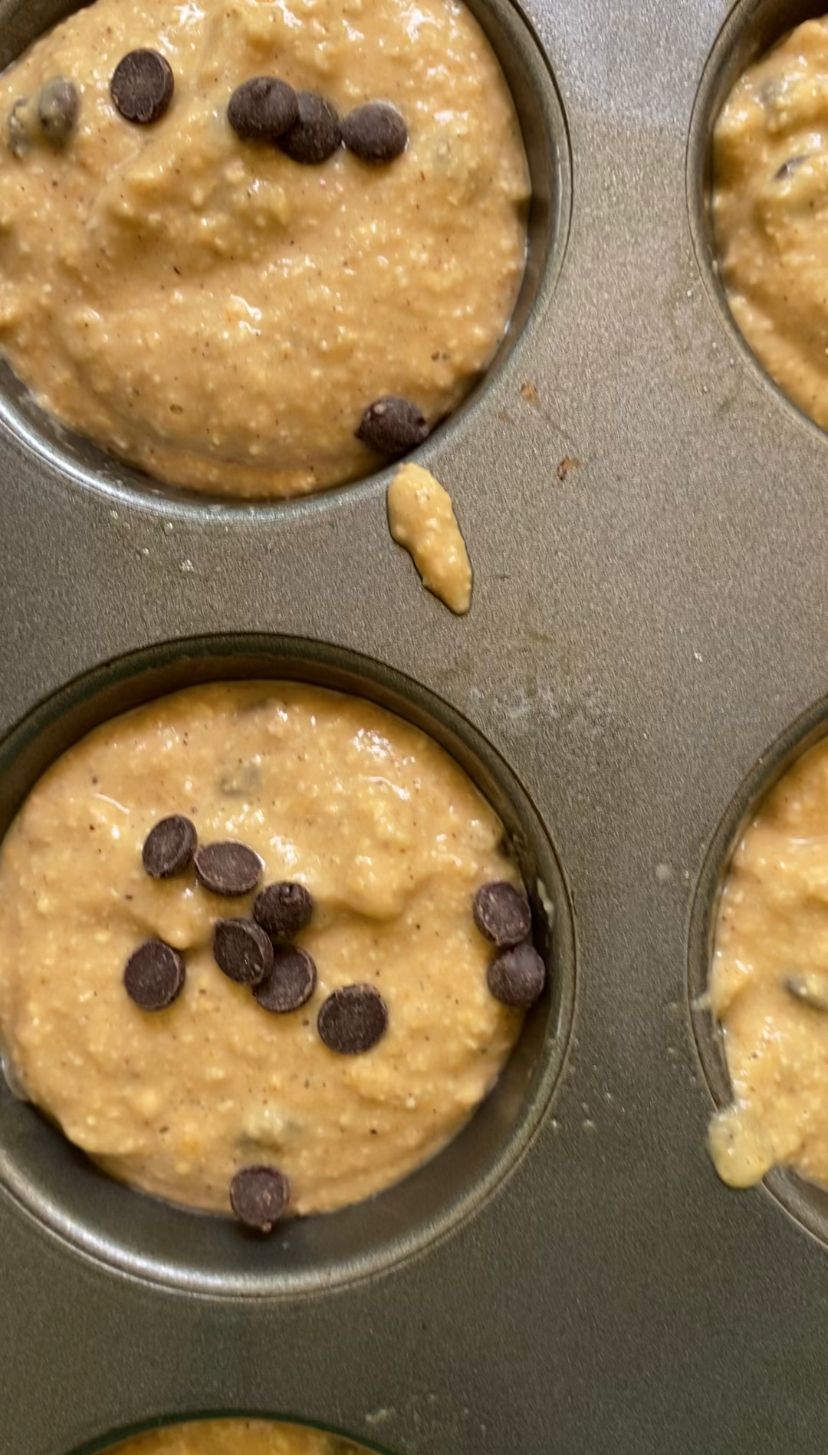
{"points": [[643, 632]]}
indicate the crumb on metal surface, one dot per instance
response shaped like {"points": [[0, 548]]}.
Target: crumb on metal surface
{"points": [[564, 466]]}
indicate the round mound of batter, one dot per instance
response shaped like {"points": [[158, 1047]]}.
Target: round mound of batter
{"points": [[221, 315], [237, 1437], [391, 840], [769, 984], [770, 211]]}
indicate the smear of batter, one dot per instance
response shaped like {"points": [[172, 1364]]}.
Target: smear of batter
{"points": [[391, 840], [769, 984], [421, 518], [770, 213], [237, 1437], [219, 313]]}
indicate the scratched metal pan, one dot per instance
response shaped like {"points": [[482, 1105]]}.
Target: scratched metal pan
{"points": [[647, 519]]}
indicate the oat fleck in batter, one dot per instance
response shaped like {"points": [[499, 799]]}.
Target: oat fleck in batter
{"points": [[769, 984], [237, 1437], [225, 310], [770, 209], [386, 1024]]}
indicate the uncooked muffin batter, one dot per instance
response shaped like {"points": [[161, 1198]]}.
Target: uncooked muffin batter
{"points": [[377, 824], [237, 1437], [769, 984], [770, 210], [421, 518], [213, 310]]}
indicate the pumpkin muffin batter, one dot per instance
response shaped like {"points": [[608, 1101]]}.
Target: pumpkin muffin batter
{"points": [[319, 999], [770, 212], [237, 1437], [769, 985], [219, 308]]}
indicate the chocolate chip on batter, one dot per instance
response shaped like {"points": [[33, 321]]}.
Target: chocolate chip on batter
{"points": [[284, 910], [263, 109], [353, 1019], [242, 950], [375, 132], [291, 981], [154, 975], [259, 1196], [58, 109], [788, 168], [169, 847], [316, 134], [501, 913], [517, 976], [392, 426], [142, 86], [228, 868]]}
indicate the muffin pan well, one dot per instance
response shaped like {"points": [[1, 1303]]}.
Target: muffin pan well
{"points": [[546, 143], [646, 522], [144, 1236]]}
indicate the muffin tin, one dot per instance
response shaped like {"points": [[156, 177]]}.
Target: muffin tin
{"points": [[646, 647]]}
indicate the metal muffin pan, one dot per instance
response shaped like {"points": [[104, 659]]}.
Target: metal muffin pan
{"points": [[158, 1242], [646, 634]]}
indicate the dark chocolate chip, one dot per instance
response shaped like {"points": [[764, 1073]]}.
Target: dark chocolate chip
{"points": [[229, 869], [316, 134], [263, 109], [242, 950], [392, 426], [788, 168], [375, 132], [284, 910], [517, 976], [259, 1196], [291, 981], [169, 847], [154, 975], [142, 86], [58, 109], [502, 914], [353, 1019]]}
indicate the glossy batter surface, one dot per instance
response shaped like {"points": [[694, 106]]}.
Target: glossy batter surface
{"points": [[770, 211], [771, 948], [220, 315], [237, 1437], [391, 839]]}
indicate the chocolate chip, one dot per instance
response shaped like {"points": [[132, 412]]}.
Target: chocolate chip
{"points": [[291, 981], [169, 847], [284, 910], [58, 109], [517, 976], [316, 134], [154, 975], [501, 913], [353, 1019], [262, 109], [788, 168], [242, 950], [142, 86], [259, 1196], [228, 868], [375, 132], [392, 426]]}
